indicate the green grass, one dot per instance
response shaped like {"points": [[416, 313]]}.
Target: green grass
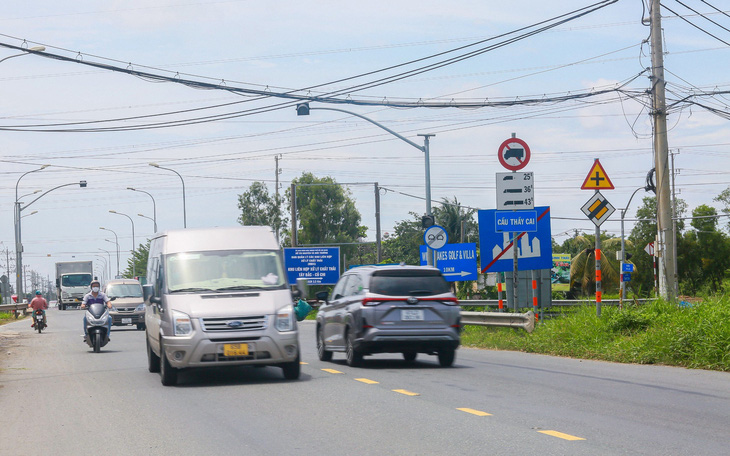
{"points": [[658, 333], [6, 317]]}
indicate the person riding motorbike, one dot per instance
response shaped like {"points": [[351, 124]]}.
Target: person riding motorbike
{"points": [[93, 297], [38, 303]]}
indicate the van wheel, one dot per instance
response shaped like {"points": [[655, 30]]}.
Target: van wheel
{"points": [[354, 357], [322, 352], [168, 374], [292, 370], [153, 361], [446, 357]]}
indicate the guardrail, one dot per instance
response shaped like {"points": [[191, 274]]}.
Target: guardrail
{"points": [[525, 320], [13, 308], [554, 302]]}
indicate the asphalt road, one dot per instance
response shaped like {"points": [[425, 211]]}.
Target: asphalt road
{"points": [[497, 403]]}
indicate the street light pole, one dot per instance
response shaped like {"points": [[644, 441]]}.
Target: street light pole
{"points": [[185, 223], [109, 263], [116, 238], [134, 245], [623, 246], [28, 51], [18, 244], [154, 206], [303, 110]]}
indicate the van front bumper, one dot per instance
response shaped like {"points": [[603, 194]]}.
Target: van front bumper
{"points": [[182, 352]]}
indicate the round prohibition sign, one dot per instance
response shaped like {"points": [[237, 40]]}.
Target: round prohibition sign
{"points": [[514, 154], [436, 237]]}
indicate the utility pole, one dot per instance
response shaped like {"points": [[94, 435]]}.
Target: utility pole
{"points": [[667, 274], [379, 247], [293, 215], [278, 208], [674, 223]]}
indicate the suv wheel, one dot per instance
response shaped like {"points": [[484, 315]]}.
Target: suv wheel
{"points": [[410, 356], [446, 357], [322, 352], [354, 357]]}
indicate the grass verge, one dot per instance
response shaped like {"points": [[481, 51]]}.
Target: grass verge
{"points": [[695, 336]]}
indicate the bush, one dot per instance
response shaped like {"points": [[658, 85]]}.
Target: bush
{"points": [[696, 336]]}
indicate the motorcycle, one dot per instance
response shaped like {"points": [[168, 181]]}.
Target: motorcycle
{"points": [[97, 326], [40, 321]]}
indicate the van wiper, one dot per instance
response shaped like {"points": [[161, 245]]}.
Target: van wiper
{"points": [[190, 290], [239, 287]]}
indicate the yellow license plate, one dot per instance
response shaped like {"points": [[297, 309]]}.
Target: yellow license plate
{"points": [[235, 349]]}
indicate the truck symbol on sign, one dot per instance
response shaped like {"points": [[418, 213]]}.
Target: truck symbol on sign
{"points": [[517, 153]]}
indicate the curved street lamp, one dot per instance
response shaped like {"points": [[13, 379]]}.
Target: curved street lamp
{"points": [[18, 232], [154, 206], [109, 263], [303, 110], [185, 224], [115, 242], [134, 245], [27, 52]]}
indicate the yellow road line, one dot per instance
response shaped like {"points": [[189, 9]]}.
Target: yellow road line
{"points": [[332, 371], [302, 362], [474, 412], [367, 380], [406, 392], [560, 435]]}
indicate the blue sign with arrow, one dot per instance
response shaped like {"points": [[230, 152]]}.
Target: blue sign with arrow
{"points": [[457, 262]]}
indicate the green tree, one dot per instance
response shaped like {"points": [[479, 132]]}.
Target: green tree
{"points": [[583, 264], [403, 245], [724, 198], [705, 259], [258, 207], [139, 260], [451, 215], [326, 214]]}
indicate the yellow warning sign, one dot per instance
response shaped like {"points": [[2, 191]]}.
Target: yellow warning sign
{"points": [[597, 179]]}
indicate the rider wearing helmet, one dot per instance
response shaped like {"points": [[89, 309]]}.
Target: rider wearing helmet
{"points": [[38, 303], [93, 297]]}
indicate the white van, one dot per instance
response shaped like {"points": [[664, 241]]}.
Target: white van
{"points": [[218, 297]]}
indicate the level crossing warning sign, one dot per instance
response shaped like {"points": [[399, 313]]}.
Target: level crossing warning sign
{"points": [[597, 179]]}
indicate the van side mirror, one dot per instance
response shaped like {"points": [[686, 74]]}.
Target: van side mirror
{"points": [[302, 287], [148, 291]]}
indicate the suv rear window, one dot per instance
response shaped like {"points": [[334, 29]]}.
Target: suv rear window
{"points": [[408, 283]]}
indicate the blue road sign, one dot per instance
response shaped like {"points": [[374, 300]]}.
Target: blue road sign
{"points": [[627, 267], [534, 250], [319, 265], [457, 262], [626, 277], [515, 221]]}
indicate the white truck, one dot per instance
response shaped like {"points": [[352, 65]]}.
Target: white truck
{"points": [[72, 282]]}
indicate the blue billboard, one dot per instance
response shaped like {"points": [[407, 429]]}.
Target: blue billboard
{"points": [[457, 262], [534, 250], [319, 265]]}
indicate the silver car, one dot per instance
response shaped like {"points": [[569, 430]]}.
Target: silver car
{"points": [[389, 309], [128, 306]]}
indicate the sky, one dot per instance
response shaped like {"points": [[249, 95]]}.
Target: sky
{"points": [[283, 47]]}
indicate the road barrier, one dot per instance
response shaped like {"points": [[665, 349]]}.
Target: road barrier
{"points": [[525, 320], [13, 308]]}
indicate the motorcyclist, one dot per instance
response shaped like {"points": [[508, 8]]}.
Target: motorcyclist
{"points": [[38, 303], [93, 297]]}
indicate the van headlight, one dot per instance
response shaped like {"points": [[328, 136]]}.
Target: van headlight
{"points": [[285, 319], [182, 326], [139, 308]]}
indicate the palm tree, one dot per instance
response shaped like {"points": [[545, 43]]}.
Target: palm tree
{"points": [[583, 265]]}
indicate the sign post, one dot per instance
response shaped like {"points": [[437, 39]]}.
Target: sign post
{"points": [[598, 209]]}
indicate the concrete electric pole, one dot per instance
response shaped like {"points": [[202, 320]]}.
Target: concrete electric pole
{"points": [[668, 273]]}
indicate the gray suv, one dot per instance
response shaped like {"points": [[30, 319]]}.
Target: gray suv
{"points": [[389, 309], [128, 306]]}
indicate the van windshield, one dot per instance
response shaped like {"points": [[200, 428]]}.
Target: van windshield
{"points": [[124, 290], [224, 271], [76, 280]]}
